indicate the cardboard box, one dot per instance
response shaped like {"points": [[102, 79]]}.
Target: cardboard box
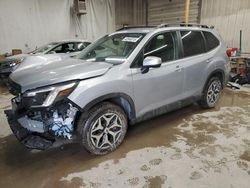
{"points": [[16, 51], [2, 57]]}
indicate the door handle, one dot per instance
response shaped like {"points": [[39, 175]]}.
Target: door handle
{"points": [[208, 60], [178, 68]]}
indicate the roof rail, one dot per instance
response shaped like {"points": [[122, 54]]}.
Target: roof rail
{"points": [[134, 27], [184, 25]]}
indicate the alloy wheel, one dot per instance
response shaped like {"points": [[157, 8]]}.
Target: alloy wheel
{"points": [[106, 131], [213, 92]]}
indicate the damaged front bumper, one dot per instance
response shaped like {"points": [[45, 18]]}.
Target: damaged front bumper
{"points": [[43, 128], [40, 117], [31, 140]]}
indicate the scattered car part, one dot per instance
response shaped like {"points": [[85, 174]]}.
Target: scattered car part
{"points": [[233, 85], [243, 75]]}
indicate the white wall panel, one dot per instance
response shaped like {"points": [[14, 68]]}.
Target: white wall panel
{"points": [[229, 17], [26, 24]]}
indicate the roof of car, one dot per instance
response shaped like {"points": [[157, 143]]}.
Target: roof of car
{"points": [[71, 40], [142, 29], [177, 26]]}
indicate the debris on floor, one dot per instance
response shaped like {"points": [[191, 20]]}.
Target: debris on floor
{"points": [[210, 149]]}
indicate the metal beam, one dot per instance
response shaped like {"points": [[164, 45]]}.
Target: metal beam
{"points": [[187, 11]]}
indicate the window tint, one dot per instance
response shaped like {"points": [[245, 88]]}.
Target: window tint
{"points": [[44, 48], [58, 49], [64, 48], [212, 41], [162, 46], [193, 43], [81, 45]]}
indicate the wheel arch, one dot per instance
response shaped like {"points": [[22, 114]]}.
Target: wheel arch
{"points": [[121, 99], [218, 73]]}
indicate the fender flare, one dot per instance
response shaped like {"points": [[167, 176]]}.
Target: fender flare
{"points": [[220, 71], [111, 96]]}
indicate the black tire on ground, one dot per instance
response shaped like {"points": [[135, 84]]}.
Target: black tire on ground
{"points": [[211, 93], [103, 128]]}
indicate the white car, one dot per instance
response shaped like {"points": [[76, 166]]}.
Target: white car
{"points": [[49, 52]]}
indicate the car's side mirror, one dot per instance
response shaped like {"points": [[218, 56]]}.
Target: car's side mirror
{"points": [[150, 62]]}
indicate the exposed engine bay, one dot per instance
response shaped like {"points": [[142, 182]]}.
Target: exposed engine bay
{"points": [[59, 123], [39, 129], [39, 117], [62, 125]]}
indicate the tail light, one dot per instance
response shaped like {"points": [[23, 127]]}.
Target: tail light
{"points": [[232, 52], [229, 54]]}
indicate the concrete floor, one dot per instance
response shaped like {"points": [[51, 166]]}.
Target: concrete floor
{"points": [[190, 147]]}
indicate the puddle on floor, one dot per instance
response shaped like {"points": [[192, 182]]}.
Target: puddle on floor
{"points": [[190, 147]]}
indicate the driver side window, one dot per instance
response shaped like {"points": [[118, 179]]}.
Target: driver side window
{"points": [[163, 45]]}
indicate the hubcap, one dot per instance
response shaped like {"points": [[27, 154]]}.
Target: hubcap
{"points": [[106, 131], [213, 92]]}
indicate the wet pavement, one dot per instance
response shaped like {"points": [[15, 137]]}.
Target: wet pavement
{"points": [[190, 147]]}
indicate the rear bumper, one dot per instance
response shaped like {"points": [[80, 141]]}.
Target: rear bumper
{"points": [[29, 139]]}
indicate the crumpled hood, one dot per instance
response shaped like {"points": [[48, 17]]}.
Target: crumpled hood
{"points": [[57, 72]]}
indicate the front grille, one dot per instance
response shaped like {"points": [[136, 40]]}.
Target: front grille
{"points": [[14, 88]]}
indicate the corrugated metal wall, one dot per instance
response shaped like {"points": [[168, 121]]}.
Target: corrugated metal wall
{"points": [[130, 12], [171, 11], [229, 17]]}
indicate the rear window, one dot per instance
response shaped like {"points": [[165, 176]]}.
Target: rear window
{"points": [[212, 41], [193, 43]]}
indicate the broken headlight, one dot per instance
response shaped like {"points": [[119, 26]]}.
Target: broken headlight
{"points": [[46, 96]]}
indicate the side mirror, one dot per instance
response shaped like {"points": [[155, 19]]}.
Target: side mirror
{"points": [[150, 62]]}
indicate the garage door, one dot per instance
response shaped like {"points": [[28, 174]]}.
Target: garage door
{"points": [[172, 11]]}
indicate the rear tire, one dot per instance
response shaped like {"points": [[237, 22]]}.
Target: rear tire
{"points": [[103, 128], [211, 93]]}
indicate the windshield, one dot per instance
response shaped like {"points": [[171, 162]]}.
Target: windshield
{"points": [[44, 48], [112, 48]]}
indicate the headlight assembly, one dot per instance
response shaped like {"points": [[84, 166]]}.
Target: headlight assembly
{"points": [[48, 95], [16, 62], [13, 64]]}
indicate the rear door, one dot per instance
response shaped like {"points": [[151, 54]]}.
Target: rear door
{"points": [[194, 61], [160, 86]]}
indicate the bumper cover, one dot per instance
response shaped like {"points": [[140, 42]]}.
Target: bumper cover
{"points": [[29, 139], [6, 72]]}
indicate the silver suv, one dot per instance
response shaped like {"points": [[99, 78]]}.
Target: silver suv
{"points": [[121, 79]]}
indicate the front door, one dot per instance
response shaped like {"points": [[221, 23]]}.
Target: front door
{"points": [[159, 86]]}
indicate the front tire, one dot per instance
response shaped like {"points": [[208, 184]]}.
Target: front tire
{"points": [[103, 129], [211, 93]]}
